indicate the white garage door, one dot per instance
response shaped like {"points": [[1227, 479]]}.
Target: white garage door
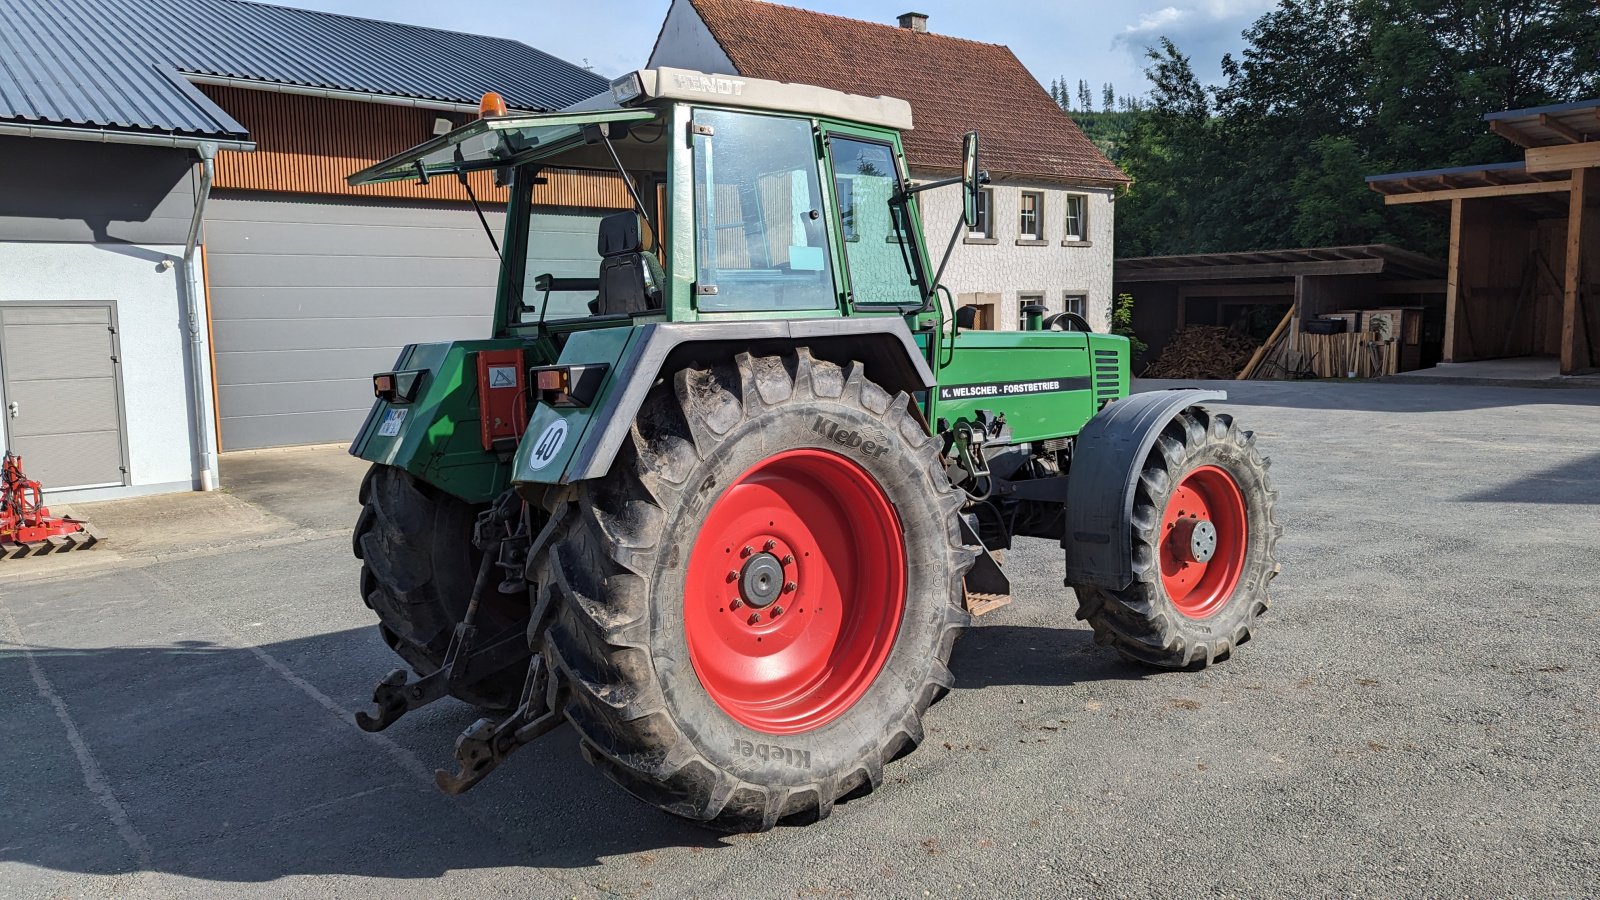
{"points": [[309, 298]]}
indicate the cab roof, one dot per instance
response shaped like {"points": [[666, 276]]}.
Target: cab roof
{"points": [[495, 141]]}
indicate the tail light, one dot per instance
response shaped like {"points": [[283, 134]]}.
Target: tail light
{"points": [[568, 386], [397, 387]]}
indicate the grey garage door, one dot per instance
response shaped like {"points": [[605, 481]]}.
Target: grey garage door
{"points": [[310, 297], [63, 402]]}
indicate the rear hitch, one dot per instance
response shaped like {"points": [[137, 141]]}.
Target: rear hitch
{"points": [[485, 744], [467, 659], [395, 696]]}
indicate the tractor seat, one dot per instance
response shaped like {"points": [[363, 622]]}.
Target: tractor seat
{"points": [[631, 280]]}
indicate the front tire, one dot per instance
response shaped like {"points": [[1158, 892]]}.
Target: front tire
{"points": [[753, 609], [1204, 548]]}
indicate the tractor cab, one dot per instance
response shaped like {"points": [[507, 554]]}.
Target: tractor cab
{"points": [[686, 196]]}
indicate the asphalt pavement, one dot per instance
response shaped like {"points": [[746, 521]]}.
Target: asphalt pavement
{"points": [[1418, 715]]}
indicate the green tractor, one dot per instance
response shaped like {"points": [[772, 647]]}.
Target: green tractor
{"points": [[731, 475]]}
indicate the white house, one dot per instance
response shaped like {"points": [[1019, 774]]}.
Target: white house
{"points": [[1045, 229]]}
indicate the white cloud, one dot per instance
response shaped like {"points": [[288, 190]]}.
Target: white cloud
{"points": [[1156, 22], [1205, 16], [1202, 29]]}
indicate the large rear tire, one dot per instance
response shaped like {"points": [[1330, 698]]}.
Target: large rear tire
{"points": [[753, 609], [418, 565], [1204, 548]]}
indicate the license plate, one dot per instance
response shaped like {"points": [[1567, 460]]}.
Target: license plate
{"points": [[392, 422]]}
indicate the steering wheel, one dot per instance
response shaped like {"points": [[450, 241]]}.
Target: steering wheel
{"points": [[1067, 321]]}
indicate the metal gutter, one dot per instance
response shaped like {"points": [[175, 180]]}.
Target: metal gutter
{"points": [[198, 358], [278, 87], [112, 136]]}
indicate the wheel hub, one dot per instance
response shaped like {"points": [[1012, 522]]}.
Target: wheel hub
{"points": [[1194, 540], [761, 580]]}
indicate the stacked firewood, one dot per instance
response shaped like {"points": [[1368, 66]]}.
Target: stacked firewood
{"points": [[1203, 352]]}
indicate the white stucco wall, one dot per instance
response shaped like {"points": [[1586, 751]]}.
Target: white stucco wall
{"points": [[686, 43], [1006, 268], [149, 307]]}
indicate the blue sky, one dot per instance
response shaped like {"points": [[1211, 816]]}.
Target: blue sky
{"points": [[1090, 39]]}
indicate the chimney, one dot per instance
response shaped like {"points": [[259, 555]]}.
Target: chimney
{"points": [[914, 21]]}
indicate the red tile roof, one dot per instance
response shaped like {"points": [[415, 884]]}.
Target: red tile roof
{"points": [[954, 86]]}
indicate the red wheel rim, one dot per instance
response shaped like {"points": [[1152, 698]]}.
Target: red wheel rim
{"points": [[1200, 582], [795, 591]]}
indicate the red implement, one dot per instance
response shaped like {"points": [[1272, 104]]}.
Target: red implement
{"points": [[26, 526]]}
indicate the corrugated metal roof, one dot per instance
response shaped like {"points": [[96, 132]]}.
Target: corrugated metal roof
{"points": [[120, 64]]}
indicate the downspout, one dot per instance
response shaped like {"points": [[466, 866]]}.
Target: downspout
{"points": [[198, 358]]}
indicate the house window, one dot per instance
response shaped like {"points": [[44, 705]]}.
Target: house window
{"points": [[1025, 300], [1077, 218], [1075, 303], [985, 226], [1030, 223]]}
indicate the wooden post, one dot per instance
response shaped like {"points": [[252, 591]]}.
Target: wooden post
{"points": [[1255, 358], [1452, 298], [1574, 352]]}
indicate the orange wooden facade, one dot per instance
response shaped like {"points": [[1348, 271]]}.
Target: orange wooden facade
{"points": [[308, 145]]}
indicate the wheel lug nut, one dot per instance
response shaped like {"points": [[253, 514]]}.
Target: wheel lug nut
{"points": [[788, 560], [769, 545], [755, 617], [735, 603], [788, 587], [777, 611], [732, 577], [746, 551]]}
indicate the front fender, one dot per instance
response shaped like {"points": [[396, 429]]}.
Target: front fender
{"points": [[1106, 460], [563, 446]]}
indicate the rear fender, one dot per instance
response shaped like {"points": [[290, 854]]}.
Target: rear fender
{"points": [[1106, 460], [563, 446]]}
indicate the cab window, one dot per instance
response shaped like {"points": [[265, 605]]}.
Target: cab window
{"points": [[877, 244], [761, 240]]}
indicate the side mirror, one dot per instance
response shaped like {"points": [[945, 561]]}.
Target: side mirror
{"points": [[971, 179]]}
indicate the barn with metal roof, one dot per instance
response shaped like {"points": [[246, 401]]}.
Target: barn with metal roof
{"points": [[187, 270]]}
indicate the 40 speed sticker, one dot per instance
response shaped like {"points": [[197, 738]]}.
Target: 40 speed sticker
{"points": [[549, 443]]}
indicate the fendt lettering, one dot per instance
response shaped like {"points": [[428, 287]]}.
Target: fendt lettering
{"points": [[726, 510]]}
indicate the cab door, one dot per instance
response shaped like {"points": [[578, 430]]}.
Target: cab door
{"points": [[875, 222]]}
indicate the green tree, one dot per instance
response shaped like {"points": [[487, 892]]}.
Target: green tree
{"points": [[1326, 92]]}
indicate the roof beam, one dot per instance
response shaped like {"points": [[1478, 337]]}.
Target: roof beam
{"points": [[1256, 270], [1510, 133], [1563, 157], [1496, 190], [1572, 135]]}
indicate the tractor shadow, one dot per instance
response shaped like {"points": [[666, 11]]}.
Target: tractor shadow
{"points": [[242, 764], [208, 761], [999, 655]]}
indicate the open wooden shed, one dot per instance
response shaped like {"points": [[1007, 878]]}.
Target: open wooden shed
{"points": [[1171, 292], [1524, 240]]}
